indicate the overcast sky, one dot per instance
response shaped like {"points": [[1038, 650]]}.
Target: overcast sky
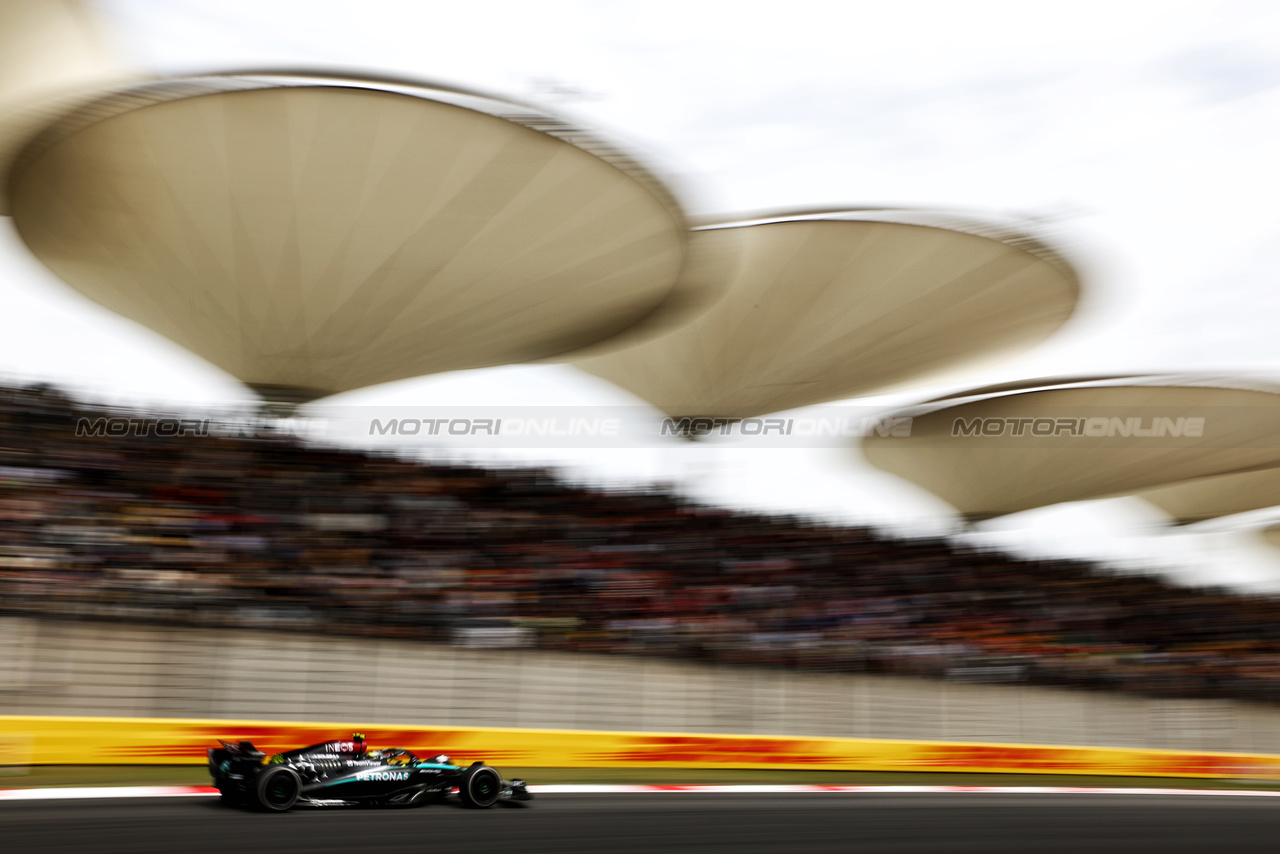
{"points": [[1144, 134]]}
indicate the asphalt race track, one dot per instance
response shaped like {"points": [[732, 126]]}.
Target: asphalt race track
{"points": [[669, 822]]}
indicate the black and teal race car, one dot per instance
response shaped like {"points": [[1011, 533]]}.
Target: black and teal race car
{"points": [[347, 773]]}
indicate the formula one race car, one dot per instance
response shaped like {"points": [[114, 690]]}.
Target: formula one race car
{"points": [[344, 773]]}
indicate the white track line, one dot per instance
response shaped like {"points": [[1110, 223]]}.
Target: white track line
{"points": [[573, 789], [82, 793], [87, 792]]}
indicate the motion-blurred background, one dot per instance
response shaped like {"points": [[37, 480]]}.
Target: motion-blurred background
{"points": [[718, 212]]}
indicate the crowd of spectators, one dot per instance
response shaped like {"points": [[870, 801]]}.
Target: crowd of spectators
{"points": [[267, 531]]}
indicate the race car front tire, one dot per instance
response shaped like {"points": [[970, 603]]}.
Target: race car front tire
{"points": [[481, 787], [278, 789]]}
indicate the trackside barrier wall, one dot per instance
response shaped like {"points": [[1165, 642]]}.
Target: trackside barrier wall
{"points": [[127, 741], [101, 669]]}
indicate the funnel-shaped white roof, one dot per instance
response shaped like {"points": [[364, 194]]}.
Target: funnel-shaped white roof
{"points": [[999, 454], [320, 235], [1212, 497], [53, 54], [828, 306]]}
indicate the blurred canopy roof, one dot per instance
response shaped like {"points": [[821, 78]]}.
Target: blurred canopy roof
{"points": [[313, 232], [1118, 447], [1212, 497], [312, 235], [53, 55], [830, 306]]}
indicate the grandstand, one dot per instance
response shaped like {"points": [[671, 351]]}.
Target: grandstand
{"points": [[269, 532]]}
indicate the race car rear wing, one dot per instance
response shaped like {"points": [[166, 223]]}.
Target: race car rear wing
{"points": [[241, 749]]}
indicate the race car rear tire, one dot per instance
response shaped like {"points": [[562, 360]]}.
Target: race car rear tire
{"points": [[481, 787], [278, 789]]}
